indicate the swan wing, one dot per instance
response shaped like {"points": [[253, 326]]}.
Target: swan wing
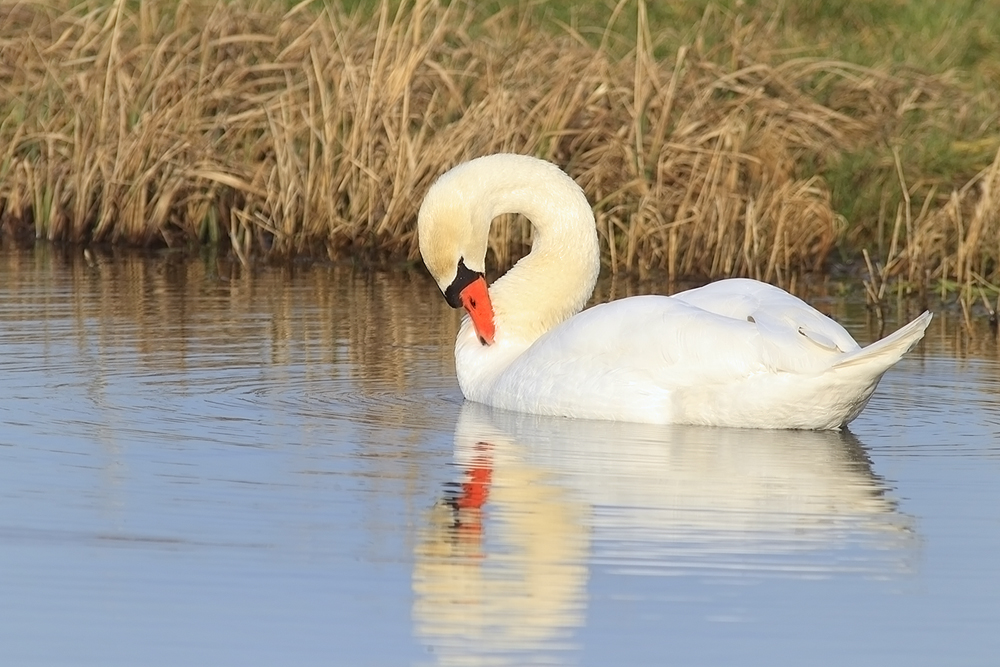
{"points": [[641, 355], [650, 338], [774, 310], [630, 358]]}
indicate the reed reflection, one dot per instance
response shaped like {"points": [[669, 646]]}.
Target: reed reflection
{"points": [[501, 567]]}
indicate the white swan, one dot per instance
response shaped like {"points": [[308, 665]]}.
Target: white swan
{"points": [[733, 353]]}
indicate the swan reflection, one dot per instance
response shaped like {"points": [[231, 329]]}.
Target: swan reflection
{"points": [[501, 567]]}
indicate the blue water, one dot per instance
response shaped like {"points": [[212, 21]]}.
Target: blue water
{"points": [[203, 465]]}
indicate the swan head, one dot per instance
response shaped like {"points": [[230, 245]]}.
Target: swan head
{"points": [[552, 283], [453, 232]]}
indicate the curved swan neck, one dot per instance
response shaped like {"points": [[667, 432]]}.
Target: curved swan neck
{"points": [[556, 278], [554, 281]]}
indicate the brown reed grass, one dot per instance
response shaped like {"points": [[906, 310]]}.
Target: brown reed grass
{"points": [[317, 132]]}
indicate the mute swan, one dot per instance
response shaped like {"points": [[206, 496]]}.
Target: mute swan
{"points": [[736, 352]]}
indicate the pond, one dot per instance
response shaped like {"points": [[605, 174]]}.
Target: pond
{"points": [[203, 465]]}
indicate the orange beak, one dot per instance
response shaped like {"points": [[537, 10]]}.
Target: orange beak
{"points": [[476, 301]]}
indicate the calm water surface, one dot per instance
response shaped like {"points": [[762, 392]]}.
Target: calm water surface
{"points": [[204, 467]]}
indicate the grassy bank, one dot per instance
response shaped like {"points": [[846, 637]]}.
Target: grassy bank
{"points": [[718, 139]]}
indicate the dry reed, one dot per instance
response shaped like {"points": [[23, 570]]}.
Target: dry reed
{"points": [[317, 132]]}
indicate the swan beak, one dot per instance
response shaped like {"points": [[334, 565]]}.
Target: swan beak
{"points": [[476, 301]]}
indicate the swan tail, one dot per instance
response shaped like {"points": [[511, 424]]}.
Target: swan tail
{"points": [[882, 354]]}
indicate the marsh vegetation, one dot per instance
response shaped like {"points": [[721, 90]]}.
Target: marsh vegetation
{"points": [[714, 139]]}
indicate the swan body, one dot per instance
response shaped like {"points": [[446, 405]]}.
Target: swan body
{"points": [[736, 352]]}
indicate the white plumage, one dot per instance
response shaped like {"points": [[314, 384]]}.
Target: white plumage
{"points": [[733, 353]]}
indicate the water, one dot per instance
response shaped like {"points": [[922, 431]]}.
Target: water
{"points": [[204, 466]]}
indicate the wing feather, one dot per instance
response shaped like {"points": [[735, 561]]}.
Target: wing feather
{"points": [[718, 334]]}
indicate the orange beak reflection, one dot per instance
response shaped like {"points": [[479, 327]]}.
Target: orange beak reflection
{"points": [[476, 301]]}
